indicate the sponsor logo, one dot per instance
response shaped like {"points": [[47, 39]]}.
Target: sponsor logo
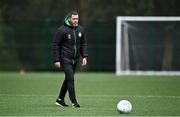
{"points": [[69, 36]]}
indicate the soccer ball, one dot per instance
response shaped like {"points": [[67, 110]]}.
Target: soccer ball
{"points": [[124, 106]]}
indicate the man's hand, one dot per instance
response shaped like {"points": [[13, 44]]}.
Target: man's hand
{"points": [[84, 61], [57, 64]]}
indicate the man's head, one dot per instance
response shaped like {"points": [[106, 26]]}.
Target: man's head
{"points": [[73, 18]]}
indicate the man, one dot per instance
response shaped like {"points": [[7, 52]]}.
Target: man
{"points": [[69, 44]]}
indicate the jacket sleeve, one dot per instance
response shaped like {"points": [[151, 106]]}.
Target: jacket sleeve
{"points": [[56, 45], [83, 46]]}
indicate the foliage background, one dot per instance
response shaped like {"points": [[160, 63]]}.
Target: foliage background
{"points": [[27, 28]]}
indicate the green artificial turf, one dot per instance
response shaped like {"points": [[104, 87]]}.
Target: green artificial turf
{"points": [[34, 94]]}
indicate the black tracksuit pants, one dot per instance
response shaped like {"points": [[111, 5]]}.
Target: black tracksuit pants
{"points": [[68, 84]]}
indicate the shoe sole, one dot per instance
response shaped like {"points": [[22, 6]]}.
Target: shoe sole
{"points": [[59, 105], [75, 107]]}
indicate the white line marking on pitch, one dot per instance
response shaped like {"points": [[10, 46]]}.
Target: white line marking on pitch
{"points": [[136, 96]]}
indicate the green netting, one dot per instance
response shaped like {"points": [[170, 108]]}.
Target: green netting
{"points": [[153, 45], [27, 45]]}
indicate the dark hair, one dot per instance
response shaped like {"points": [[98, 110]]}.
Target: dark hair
{"points": [[72, 13]]}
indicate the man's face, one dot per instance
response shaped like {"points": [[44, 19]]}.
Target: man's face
{"points": [[74, 20]]}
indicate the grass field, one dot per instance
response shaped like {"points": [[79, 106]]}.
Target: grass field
{"points": [[34, 94]]}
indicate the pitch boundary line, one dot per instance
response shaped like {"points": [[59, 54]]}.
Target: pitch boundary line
{"points": [[121, 96]]}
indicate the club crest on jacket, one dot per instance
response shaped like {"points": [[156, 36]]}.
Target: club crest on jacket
{"points": [[80, 34]]}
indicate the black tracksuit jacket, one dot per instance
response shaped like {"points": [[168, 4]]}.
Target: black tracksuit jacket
{"points": [[69, 44]]}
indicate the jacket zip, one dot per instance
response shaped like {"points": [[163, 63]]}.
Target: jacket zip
{"points": [[74, 45]]}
